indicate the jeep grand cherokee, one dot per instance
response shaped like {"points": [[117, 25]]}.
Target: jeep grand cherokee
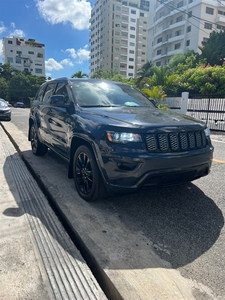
{"points": [[114, 138]]}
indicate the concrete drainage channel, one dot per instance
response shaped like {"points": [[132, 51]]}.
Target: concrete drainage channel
{"points": [[104, 282]]}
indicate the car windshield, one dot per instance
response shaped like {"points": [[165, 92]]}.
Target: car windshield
{"points": [[3, 104], [105, 94]]}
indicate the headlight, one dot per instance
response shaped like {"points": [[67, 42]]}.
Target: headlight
{"points": [[123, 137], [207, 132]]}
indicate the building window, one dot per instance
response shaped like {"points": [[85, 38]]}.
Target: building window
{"points": [[220, 12], [188, 43], [189, 29], [189, 14], [117, 41], [38, 71], [131, 51], [142, 14], [158, 63], [10, 42], [178, 32], [205, 40], [117, 33], [131, 59], [132, 44], [117, 17], [209, 10], [118, 8], [133, 12], [124, 34], [40, 55], [159, 40], [117, 25], [132, 36], [177, 46], [179, 19], [124, 18], [143, 45], [130, 74], [133, 20], [159, 52], [132, 28], [131, 67], [18, 60], [9, 59], [220, 27], [30, 52], [180, 4], [208, 26]]}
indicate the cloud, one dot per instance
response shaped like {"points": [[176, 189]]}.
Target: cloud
{"points": [[79, 55], [2, 27], [67, 62], [15, 32], [75, 12], [1, 48], [52, 64]]}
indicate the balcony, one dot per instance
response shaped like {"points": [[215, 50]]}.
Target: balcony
{"points": [[220, 20]]}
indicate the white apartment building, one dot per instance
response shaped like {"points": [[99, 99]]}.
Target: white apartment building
{"points": [[118, 36], [180, 25], [24, 55]]}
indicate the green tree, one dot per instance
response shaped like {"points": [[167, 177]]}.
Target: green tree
{"points": [[213, 50], [3, 88], [144, 73], [7, 71], [204, 80], [79, 74], [183, 61], [18, 87]]}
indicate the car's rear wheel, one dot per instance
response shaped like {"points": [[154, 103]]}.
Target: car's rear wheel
{"points": [[37, 147], [87, 178]]}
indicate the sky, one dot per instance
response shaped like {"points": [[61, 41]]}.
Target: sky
{"points": [[62, 25]]}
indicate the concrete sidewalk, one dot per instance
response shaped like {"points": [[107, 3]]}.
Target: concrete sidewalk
{"points": [[37, 258], [127, 261]]}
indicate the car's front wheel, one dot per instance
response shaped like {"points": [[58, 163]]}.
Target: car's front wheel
{"points": [[87, 178], [37, 147]]}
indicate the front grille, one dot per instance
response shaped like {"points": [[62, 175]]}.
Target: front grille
{"points": [[172, 142]]}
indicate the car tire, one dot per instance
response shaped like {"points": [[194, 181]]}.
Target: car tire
{"points": [[37, 147], [87, 177]]}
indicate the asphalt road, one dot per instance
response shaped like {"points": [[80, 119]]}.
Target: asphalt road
{"points": [[185, 223]]}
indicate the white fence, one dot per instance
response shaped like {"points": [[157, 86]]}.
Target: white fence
{"points": [[209, 110]]}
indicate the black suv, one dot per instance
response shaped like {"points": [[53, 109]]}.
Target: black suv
{"points": [[114, 138]]}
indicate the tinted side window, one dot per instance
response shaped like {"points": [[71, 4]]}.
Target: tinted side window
{"points": [[48, 92], [62, 90]]}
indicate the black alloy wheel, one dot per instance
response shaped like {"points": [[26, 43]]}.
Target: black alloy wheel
{"points": [[37, 147], [87, 178]]}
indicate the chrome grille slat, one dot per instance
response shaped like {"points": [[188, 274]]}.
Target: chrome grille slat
{"points": [[174, 141]]}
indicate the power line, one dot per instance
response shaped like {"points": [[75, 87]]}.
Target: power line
{"points": [[193, 16]]}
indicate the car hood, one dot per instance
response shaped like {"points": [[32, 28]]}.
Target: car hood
{"points": [[139, 116]]}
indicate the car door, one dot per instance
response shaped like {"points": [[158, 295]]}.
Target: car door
{"points": [[60, 120], [44, 108]]}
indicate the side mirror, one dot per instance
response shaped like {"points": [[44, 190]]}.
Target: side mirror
{"points": [[57, 100]]}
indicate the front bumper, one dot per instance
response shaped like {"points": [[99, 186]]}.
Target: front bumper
{"points": [[133, 171], [5, 116]]}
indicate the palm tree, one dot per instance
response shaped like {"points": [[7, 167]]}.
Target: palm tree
{"points": [[144, 72], [79, 74]]}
